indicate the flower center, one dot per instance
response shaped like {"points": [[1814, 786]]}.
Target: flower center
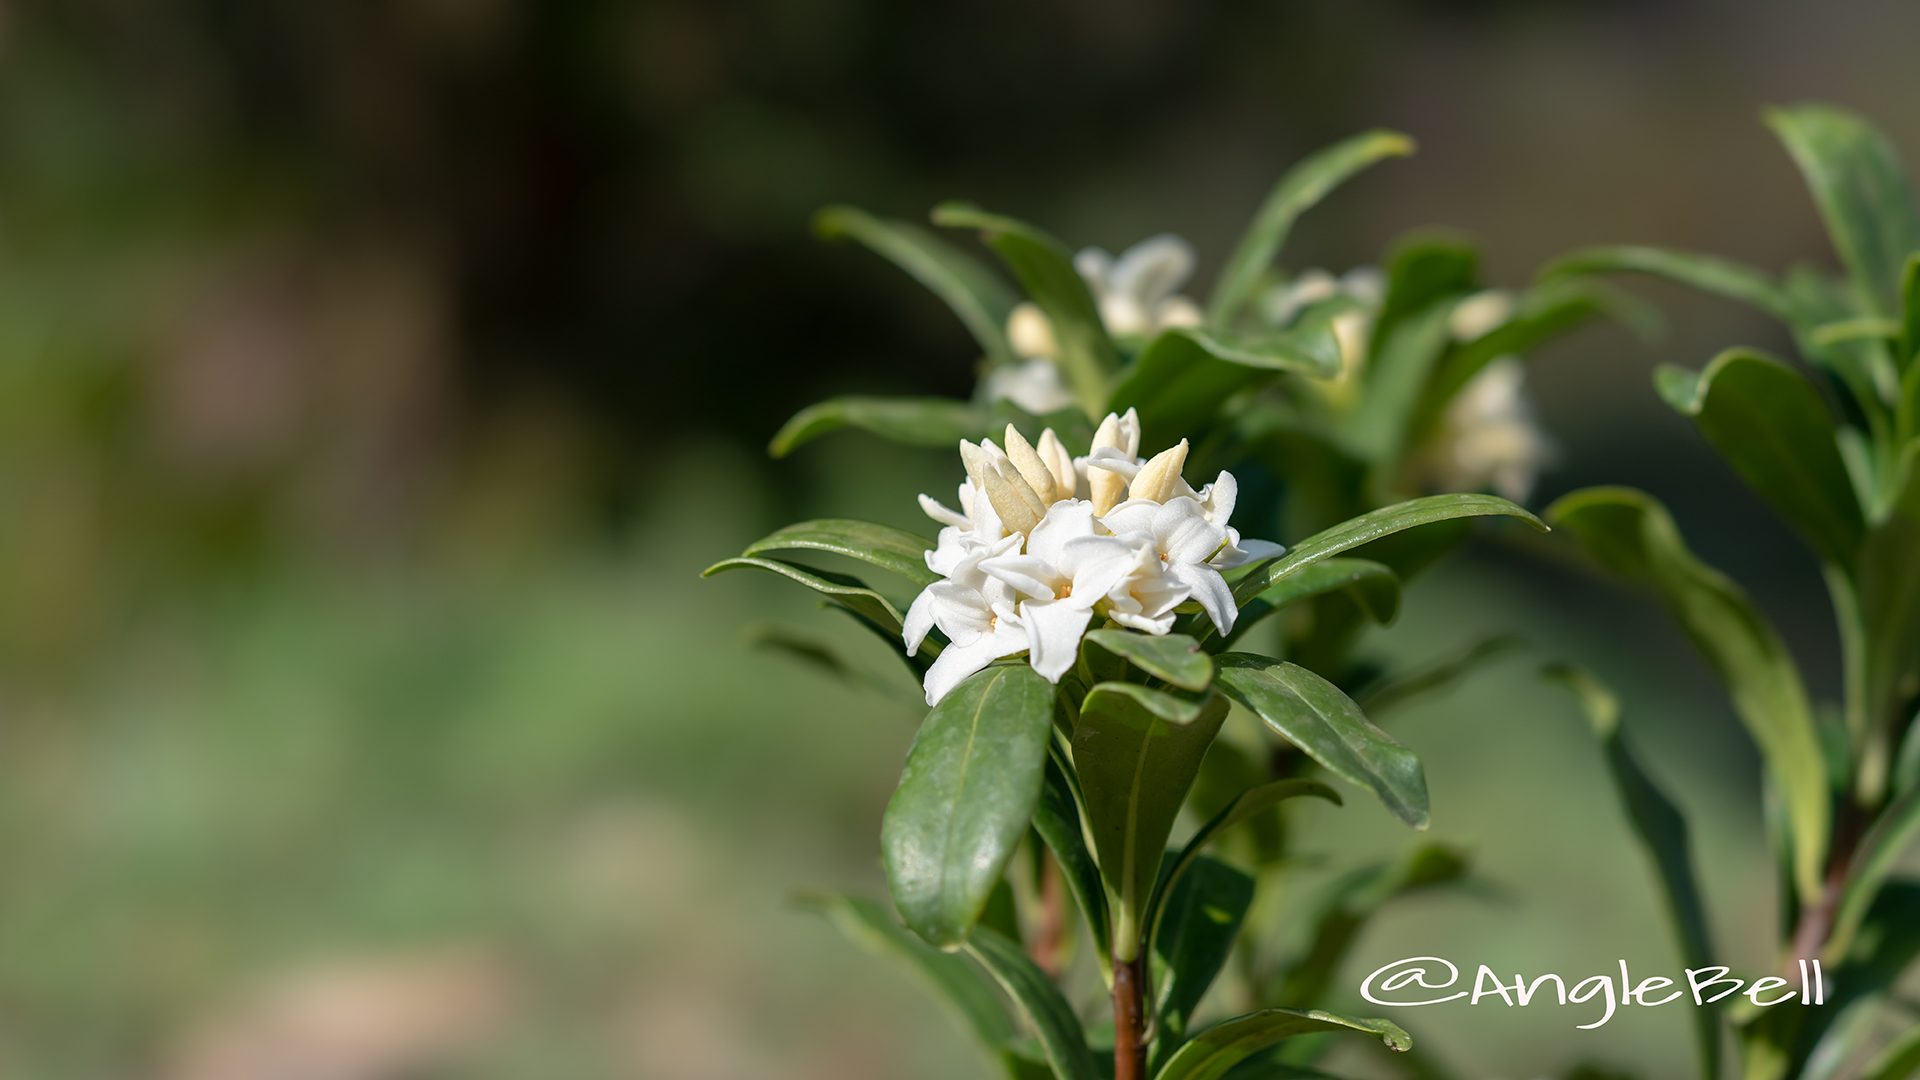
{"points": [[1064, 591]]}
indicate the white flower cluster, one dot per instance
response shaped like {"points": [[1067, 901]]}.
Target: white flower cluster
{"points": [[1045, 541]]}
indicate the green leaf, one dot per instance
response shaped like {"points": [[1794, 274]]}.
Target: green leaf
{"points": [[1892, 834], [1044, 266], [1425, 281], [1315, 716], [1207, 905], [1374, 590], [1350, 903], [1776, 431], [841, 589], [1661, 829], [958, 984], [1369, 527], [1137, 752], [1219, 1048], [1889, 580], [1863, 194], [888, 548], [1174, 658], [1057, 820], [1899, 1060], [1182, 376], [965, 797], [1434, 675], [1631, 534], [1910, 315], [912, 421], [1851, 330], [1706, 273], [1303, 186], [1249, 805], [976, 294], [1045, 1010]]}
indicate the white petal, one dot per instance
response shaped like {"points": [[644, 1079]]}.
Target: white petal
{"points": [[1053, 636], [1096, 266], [1152, 270], [956, 662], [1064, 521], [1211, 590], [1027, 574], [919, 620], [1220, 497], [1183, 533], [933, 509]]}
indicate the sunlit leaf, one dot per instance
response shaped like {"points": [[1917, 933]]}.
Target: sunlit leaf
{"points": [[1213, 1052], [979, 297], [1863, 194], [842, 589], [888, 548], [913, 421], [1174, 658]]}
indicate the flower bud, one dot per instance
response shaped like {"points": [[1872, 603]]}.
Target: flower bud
{"points": [[1029, 332], [1060, 463], [1019, 508], [1160, 477], [1032, 469]]}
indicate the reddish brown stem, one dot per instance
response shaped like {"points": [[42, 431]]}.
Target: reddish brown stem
{"points": [[1816, 919], [1129, 1052]]}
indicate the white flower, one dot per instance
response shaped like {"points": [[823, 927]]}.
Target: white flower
{"points": [[1478, 314], [1137, 294], [1045, 542], [1488, 438], [1364, 286], [1034, 384]]}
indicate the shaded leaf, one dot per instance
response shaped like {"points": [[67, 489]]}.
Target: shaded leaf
{"points": [[1137, 752], [1863, 194], [1175, 658], [1631, 534], [913, 421], [846, 591], [1892, 835], [1352, 901], [1205, 909], [1219, 1048], [1182, 376], [1249, 805], [965, 797], [1709, 274], [888, 548], [979, 297], [1661, 830], [1372, 588], [1889, 591], [1436, 675], [1302, 186], [1039, 1002], [1313, 714]]}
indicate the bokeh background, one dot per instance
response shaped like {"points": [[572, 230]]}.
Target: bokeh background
{"points": [[375, 379]]}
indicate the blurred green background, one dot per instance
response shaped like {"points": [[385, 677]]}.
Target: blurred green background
{"points": [[376, 378]]}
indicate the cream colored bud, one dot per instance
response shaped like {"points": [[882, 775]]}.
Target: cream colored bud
{"points": [[1160, 477], [1478, 314], [1032, 468], [1060, 463], [1180, 311], [1119, 432], [1106, 487], [974, 460], [1030, 333], [1019, 508]]}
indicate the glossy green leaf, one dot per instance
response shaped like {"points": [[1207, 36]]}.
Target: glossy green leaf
{"points": [[1174, 658], [1249, 805], [1662, 832], [1631, 534], [1373, 589], [1302, 186], [888, 548], [1137, 752], [1706, 273], [1219, 1048], [913, 421], [1434, 675], [1895, 833], [1343, 912], [1205, 910], [1228, 772], [1182, 376], [844, 590], [958, 984], [979, 297], [1773, 427], [1863, 194], [1057, 820], [1369, 527], [1048, 1013], [1314, 715], [965, 797], [1044, 266]]}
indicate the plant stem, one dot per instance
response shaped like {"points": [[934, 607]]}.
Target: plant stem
{"points": [[1129, 1053]]}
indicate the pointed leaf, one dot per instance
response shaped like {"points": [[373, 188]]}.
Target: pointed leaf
{"points": [[1247, 806], [1893, 834], [1373, 588], [1303, 186], [959, 985], [1174, 658], [1631, 534], [1137, 752], [1219, 1048], [1057, 820], [1205, 910], [1863, 194], [1182, 376], [891, 549], [912, 421], [1312, 714], [1044, 266], [1369, 527], [1706, 273], [1039, 1002], [1661, 830], [1539, 314], [976, 294], [1776, 431], [842, 589], [965, 798]]}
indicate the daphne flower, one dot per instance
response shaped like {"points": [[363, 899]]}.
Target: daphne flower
{"points": [[1034, 384], [1066, 570], [1179, 535], [1137, 295], [975, 612], [1488, 438]]}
